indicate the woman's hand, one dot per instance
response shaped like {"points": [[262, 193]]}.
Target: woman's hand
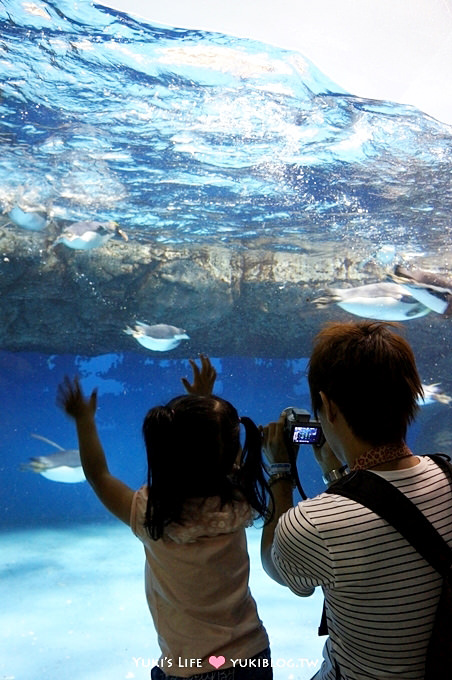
{"points": [[326, 458], [71, 399], [203, 380], [273, 442]]}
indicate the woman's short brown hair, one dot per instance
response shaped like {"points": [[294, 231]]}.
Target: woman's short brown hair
{"points": [[370, 372]]}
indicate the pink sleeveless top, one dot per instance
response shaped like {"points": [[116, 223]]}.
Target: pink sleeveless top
{"points": [[196, 579]]}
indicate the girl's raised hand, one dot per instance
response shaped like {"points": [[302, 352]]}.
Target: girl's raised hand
{"points": [[72, 400], [203, 380]]}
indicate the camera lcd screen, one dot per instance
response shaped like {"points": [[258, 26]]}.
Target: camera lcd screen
{"points": [[306, 434]]}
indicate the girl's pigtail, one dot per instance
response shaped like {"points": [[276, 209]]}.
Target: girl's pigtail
{"points": [[252, 477], [158, 430]]}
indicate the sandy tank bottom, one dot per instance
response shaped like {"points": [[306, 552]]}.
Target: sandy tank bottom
{"points": [[73, 605]]}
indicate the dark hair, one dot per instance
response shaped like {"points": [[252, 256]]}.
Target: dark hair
{"points": [[370, 372], [192, 444]]}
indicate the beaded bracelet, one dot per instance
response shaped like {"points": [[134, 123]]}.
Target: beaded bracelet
{"points": [[273, 468]]}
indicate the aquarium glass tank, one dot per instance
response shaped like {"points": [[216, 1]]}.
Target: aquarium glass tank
{"points": [[217, 188]]}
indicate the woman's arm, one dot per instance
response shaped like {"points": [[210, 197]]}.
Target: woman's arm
{"points": [[112, 492], [282, 489]]}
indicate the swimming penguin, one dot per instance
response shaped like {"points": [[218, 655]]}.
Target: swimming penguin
{"points": [[159, 338], [31, 220], [88, 235], [432, 290], [64, 466], [432, 394], [382, 301]]}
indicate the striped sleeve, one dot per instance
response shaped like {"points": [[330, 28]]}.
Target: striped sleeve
{"points": [[380, 594], [299, 554]]}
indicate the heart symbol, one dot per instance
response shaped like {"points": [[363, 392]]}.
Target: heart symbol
{"points": [[217, 661]]}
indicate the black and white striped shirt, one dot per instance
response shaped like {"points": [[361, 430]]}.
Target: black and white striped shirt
{"points": [[381, 595]]}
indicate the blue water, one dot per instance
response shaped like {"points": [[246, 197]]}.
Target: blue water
{"points": [[184, 135], [71, 583], [128, 385], [180, 136]]}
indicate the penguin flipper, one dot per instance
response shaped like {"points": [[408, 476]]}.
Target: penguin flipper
{"points": [[417, 310], [330, 298], [47, 441]]}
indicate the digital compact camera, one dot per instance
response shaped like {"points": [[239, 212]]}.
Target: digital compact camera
{"points": [[300, 429]]}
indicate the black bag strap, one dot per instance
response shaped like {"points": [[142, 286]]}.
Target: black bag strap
{"points": [[392, 505]]}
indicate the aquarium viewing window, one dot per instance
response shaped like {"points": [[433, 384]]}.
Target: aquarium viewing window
{"points": [[198, 177]]}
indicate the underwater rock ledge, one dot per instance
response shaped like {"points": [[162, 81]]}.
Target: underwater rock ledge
{"points": [[253, 301]]}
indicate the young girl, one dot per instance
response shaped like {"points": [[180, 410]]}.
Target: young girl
{"points": [[202, 491]]}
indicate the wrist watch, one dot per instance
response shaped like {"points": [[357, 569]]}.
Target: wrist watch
{"points": [[334, 475]]}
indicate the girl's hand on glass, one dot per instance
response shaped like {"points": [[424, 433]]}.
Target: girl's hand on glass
{"points": [[72, 400], [203, 379]]}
